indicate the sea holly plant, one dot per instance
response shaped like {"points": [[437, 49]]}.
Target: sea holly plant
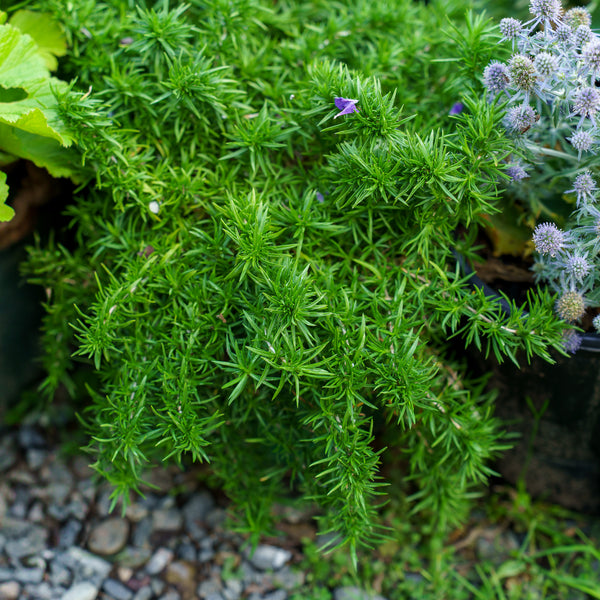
{"points": [[30, 127], [552, 107], [261, 272]]}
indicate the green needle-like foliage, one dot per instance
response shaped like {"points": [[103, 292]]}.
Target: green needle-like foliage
{"points": [[263, 284]]}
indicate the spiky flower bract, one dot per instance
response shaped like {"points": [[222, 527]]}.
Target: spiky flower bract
{"points": [[586, 102], [577, 16], [520, 118], [577, 266], [522, 73], [496, 77], [570, 306]]}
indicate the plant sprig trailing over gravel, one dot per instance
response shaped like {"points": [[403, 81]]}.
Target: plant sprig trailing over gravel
{"points": [[262, 282]]}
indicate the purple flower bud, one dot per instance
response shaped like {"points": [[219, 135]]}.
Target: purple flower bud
{"points": [[345, 105], [457, 108], [577, 266], [516, 172]]}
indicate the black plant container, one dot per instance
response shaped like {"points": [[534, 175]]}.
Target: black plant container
{"points": [[556, 453]]}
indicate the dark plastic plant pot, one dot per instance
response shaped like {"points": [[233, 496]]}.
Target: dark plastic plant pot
{"points": [[557, 453], [20, 316]]}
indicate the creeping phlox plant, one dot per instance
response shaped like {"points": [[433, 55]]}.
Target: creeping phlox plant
{"points": [[261, 271]]}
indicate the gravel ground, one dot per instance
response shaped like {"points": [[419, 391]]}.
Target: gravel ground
{"points": [[59, 541]]}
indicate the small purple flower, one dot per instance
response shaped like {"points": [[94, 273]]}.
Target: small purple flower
{"points": [[571, 341], [496, 77], [320, 197], [457, 108], [516, 172], [345, 105]]}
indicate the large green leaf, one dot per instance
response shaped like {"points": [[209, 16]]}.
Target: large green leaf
{"points": [[46, 33], [6, 212], [43, 151], [27, 101]]}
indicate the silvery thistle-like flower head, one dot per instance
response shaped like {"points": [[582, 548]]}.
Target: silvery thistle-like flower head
{"points": [[549, 239]]}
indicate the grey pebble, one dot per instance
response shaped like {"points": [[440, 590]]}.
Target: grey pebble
{"points": [[81, 591], [10, 590], [6, 574], [31, 541], [208, 587], [216, 517], [267, 557], [36, 512], [34, 575], [160, 559], [43, 591], [233, 589], [35, 458], [59, 491], [158, 585], [288, 579], [144, 593], [187, 551], [85, 565], [170, 595], [109, 536], [30, 437], [68, 533], [351, 592], [166, 519], [116, 590], [197, 507], [275, 595], [8, 453], [142, 532], [206, 555], [59, 575], [133, 558]]}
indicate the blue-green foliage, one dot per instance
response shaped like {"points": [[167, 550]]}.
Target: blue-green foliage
{"points": [[266, 287]]}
